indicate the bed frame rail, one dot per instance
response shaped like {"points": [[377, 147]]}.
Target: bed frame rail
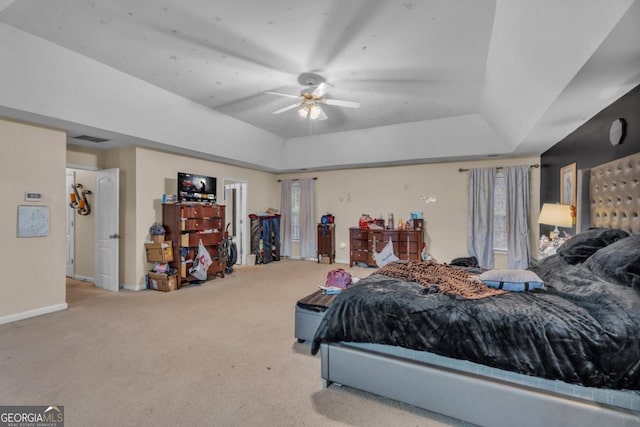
{"points": [[465, 396]]}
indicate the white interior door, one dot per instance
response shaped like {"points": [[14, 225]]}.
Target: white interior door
{"points": [[107, 229], [70, 227]]}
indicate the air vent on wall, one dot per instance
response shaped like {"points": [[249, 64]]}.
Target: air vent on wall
{"points": [[90, 138]]}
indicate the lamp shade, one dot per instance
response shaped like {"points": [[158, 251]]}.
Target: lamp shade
{"points": [[557, 215]]}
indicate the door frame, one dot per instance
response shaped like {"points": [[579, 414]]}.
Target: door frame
{"points": [[71, 167], [70, 229], [242, 240]]}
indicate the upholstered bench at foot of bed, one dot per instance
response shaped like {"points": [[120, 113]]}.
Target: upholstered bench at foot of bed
{"points": [[309, 313]]}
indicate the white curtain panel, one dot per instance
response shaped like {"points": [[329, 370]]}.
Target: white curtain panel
{"points": [[517, 192], [480, 220], [285, 218], [308, 243]]}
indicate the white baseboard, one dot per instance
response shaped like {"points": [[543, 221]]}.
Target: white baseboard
{"points": [[134, 287], [127, 287], [33, 313]]}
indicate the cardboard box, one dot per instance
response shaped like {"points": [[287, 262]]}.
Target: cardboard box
{"points": [[161, 282], [159, 252]]}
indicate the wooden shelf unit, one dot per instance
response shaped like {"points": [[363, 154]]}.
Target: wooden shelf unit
{"points": [[327, 242], [186, 225]]}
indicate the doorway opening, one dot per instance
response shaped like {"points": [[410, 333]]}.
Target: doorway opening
{"points": [[92, 232], [80, 229], [235, 199]]}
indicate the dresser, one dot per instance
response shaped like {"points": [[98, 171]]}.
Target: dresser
{"points": [[189, 223], [407, 244], [327, 242]]}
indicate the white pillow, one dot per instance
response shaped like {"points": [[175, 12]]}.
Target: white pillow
{"points": [[385, 256]]}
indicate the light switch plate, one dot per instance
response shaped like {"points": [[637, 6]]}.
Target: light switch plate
{"points": [[33, 197]]}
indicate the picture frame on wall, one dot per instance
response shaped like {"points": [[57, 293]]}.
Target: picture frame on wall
{"points": [[568, 185]]}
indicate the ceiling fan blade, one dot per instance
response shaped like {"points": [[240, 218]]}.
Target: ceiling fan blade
{"points": [[322, 115], [284, 94], [321, 89], [290, 107], [342, 103]]}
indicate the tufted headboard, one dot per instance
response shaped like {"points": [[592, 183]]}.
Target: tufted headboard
{"points": [[614, 193]]}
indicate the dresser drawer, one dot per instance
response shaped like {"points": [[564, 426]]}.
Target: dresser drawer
{"points": [[202, 211], [358, 234], [380, 244], [383, 235], [412, 247], [202, 224], [405, 236], [359, 256], [362, 245], [215, 267], [191, 239]]}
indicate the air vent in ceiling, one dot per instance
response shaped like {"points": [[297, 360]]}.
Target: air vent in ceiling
{"points": [[90, 138]]}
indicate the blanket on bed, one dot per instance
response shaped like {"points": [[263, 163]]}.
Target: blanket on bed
{"points": [[441, 278], [580, 330]]}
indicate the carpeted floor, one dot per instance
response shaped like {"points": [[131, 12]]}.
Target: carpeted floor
{"points": [[217, 354]]}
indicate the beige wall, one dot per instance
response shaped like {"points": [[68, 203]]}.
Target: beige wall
{"points": [[87, 158], [400, 190], [33, 160], [146, 174]]}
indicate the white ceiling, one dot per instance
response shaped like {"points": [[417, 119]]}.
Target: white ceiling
{"points": [[506, 77]]}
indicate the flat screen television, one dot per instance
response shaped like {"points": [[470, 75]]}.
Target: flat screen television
{"points": [[196, 188]]}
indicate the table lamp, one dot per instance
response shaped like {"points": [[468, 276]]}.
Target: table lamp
{"points": [[556, 215]]}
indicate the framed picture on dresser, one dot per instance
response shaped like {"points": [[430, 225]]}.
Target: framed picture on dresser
{"points": [[568, 185]]}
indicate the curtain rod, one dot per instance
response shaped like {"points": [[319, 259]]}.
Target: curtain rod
{"points": [[315, 178], [500, 167]]}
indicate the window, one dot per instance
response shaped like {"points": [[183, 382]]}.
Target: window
{"points": [[295, 210], [500, 214]]}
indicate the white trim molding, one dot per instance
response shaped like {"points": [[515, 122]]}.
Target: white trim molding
{"points": [[134, 287], [33, 313]]}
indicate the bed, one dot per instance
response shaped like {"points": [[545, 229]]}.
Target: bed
{"points": [[564, 354]]}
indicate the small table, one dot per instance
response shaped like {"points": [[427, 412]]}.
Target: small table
{"points": [[309, 313], [326, 242]]}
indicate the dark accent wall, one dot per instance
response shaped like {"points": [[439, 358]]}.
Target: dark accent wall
{"points": [[589, 146]]}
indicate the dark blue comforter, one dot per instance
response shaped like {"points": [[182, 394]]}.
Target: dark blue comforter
{"points": [[581, 329]]}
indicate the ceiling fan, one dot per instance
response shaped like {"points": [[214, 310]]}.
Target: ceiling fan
{"points": [[310, 100]]}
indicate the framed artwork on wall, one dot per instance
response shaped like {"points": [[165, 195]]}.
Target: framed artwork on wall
{"points": [[33, 221], [568, 185]]}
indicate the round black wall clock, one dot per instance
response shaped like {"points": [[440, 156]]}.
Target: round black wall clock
{"points": [[616, 132]]}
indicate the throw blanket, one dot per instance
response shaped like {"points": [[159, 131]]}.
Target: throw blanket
{"points": [[440, 278]]}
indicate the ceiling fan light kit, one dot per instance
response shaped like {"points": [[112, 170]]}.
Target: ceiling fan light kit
{"points": [[310, 99]]}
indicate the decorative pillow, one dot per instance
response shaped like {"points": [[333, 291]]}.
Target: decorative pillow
{"points": [[577, 249], [619, 262], [512, 280], [386, 255]]}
